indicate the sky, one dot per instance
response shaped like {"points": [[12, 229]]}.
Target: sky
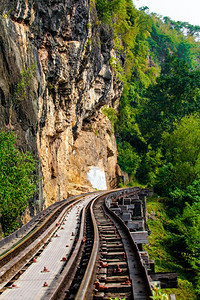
{"points": [[177, 10]]}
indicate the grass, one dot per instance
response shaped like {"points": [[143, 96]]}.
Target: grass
{"points": [[157, 249]]}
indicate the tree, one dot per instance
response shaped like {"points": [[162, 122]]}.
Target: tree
{"points": [[176, 94], [183, 150], [179, 180], [149, 166], [17, 181], [184, 240], [128, 159], [182, 159], [179, 38]]}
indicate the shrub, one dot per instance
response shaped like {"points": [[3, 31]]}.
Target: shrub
{"points": [[17, 181]]}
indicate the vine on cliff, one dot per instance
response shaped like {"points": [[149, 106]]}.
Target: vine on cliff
{"points": [[20, 90]]}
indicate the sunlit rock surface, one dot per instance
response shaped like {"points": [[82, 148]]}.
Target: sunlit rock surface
{"points": [[60, 119]]}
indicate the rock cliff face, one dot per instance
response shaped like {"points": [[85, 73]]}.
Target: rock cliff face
{"points": [[60, 119]]}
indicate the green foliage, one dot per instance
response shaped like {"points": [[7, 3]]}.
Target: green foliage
{"points": [[118, 69], [111, 113], [184, 242], [147, 109], [157, 129], [51, 86], [168, 35], [128, 159], [150, 166], [179, 179], [175, 94], [180, 27], [165, 179], [131, 28], [17, 181], [24, 83], [20, 89], [189, 227], [127, 127], [157, 137], [104, 9], [158, 294], [121, 184], [166, 258], [182, 152]]}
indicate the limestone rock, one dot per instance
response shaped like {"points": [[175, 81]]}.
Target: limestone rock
{"points": [[60, 119]]}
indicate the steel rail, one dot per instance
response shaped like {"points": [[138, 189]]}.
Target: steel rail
{"points": [[36, 228], [42, 233], [67, 275], [65, 278], [83, 290], [81, 294], [136, 250], [29, 236], [84, 287], [27, 228]]}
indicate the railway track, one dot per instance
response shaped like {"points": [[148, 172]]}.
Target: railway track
{"points": [[40, 224], [112, 274], [14, 260], [98, 260], [122, 275]]}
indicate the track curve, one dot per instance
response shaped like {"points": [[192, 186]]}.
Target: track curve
{"points": [[94, 237]]}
